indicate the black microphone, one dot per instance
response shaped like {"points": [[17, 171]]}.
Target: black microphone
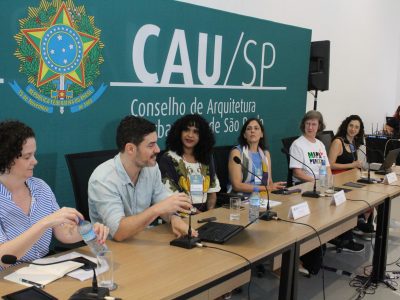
{"points": [[367, 180], [314, 193], [268, 215], [188, 241], [101, 292]]}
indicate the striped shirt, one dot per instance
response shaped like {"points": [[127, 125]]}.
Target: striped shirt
{"points": [[14, 222]]}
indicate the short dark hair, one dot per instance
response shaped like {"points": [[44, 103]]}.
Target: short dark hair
{"points": [[263, 144], [203, 150], [311, 115], [133, 129], [342, 130], [13, 136]]}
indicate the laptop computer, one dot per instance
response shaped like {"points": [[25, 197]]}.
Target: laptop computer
{"points": [[386, 166], [219, 233]]}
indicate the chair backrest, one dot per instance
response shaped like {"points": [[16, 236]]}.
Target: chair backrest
{"points": [[326, 138], [221, 159], [287, 142], [81, 166]]}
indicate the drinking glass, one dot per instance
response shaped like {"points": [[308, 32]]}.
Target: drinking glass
{"points": [[234, 208], [105, 266]]}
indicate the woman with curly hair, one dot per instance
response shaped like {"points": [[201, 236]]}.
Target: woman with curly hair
{"points": [[254, 154], [29, 213], [342, 157], [187, 165], [343, 150]]}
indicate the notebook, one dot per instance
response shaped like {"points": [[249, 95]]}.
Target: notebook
{"points": [[387, 164]]}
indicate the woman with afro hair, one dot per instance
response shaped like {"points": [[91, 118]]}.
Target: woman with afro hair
{"points": [[187, 165]]}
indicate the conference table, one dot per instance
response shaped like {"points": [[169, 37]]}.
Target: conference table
{"points": [[330, 221], [147, 267]]}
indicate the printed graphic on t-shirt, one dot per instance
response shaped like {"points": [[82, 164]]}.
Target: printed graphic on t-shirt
{"points": [[315, 157]]}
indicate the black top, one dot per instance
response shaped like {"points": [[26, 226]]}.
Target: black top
{"points": [[346, 157]]}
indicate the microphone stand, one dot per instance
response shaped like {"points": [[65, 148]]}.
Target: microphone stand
{"points": [[367, 180], [93, 292], [311, 194], [188, 241], [268, 215]]}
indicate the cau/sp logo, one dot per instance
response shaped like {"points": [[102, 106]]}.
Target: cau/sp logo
{"points": [[60, 52]]}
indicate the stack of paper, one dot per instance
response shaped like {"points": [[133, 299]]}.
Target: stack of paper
{"points": [[42, 274]]}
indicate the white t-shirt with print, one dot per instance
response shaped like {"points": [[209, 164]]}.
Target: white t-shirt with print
{"points": [[310, 154]]}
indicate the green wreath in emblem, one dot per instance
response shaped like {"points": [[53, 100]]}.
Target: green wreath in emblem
{"points": [[60, 51]]}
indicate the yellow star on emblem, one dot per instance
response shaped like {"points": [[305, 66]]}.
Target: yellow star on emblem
{"points": [[50, 68]]}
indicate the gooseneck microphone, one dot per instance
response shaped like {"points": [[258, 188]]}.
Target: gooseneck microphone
{"points": [[100, 292], [188, 241], [314, 193], [268, 215], [367, 180]]}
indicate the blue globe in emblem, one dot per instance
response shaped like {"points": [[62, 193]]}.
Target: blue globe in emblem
{"points": [[61, 49]]}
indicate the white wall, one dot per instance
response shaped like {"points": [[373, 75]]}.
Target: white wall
{"points": [[365, 50]]}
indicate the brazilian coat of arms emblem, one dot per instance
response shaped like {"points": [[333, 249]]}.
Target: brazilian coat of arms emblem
{"points": [[60, 52]]}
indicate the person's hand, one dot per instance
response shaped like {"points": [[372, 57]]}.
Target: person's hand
{"points": [[65, 215], [180, 228], [101, 231], [278, 185], [175, 203], [357, 164]]}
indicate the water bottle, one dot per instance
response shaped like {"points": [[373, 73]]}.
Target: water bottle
{"points": [[323, 177], [85, 228], [254, 205]]}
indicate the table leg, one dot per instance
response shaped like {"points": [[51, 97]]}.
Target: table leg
{"points": [[381, 240]]}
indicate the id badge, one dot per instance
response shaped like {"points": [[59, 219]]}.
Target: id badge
{"points": [[196, 184]]}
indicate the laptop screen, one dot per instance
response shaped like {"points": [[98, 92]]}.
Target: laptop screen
{"points": [[390, 159]]}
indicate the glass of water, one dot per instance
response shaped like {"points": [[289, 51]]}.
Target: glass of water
{"points": [[105, 267], [234, 208]]}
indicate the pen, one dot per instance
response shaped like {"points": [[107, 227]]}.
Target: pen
{"points": [[38, 285], [104, 298]]}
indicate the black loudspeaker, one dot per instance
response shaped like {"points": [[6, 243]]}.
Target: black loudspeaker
{"points": [[318, 75]]}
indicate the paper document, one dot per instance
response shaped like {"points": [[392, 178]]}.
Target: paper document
{"points": [[42, 274], [47, 274], [272, 203], [81, 274]]}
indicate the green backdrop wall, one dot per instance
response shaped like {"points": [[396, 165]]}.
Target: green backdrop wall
{"points": [[72, 70]]}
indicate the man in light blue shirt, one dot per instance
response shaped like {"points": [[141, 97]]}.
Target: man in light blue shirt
{"points": [[126, 192]]}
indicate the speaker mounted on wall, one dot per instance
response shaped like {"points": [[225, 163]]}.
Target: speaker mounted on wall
{"points": [[318, 75]]}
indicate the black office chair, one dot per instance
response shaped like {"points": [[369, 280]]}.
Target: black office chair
{"points": [[221, 159], [287, 142], [326, 138], [81, 166]]}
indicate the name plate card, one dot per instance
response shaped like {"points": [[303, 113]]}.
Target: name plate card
{"points": [[390, 178], [338, 198], [299, 210]]}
